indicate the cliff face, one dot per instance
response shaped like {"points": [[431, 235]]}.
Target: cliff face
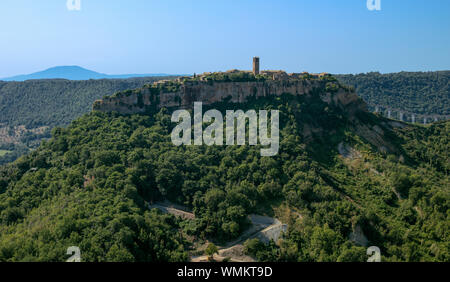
{"points": [[184, 94]]}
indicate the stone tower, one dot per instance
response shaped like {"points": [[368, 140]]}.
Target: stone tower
{"points": [[255, 65]]}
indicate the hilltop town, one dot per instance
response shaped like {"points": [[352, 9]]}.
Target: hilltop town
{"points": [[255, 74], [236, 86]]}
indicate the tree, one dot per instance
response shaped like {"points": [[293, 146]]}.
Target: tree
{"points": [[211, 250]]}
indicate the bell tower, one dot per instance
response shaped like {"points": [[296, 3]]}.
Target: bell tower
{"points": [[255, 65]]}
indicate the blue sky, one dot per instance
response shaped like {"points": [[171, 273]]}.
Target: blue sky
{"points": [[187, 36]]}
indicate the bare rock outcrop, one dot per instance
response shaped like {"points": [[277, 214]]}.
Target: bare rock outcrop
{"points": [[183, 94]]}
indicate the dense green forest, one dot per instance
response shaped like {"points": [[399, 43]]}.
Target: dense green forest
{"points": [[50, 103], [56, 102], [87, 186], [424, 93]]}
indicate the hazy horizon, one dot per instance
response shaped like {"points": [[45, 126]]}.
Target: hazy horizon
{"points": [[140, 74], [68, 69]]}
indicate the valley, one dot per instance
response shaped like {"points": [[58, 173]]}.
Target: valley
{"points": [[31, 109]]}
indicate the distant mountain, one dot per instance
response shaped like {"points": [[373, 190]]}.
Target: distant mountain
{"points": [[73, 73]]}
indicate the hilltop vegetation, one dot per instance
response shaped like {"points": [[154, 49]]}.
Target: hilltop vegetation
{"points": [[425, 93], [87, 187]]}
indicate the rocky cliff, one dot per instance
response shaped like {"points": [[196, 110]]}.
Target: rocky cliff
{"points": [[213, 88], [185, 91]]}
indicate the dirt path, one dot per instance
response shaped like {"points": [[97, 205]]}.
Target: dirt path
{"points": [[262, 227], [167, 207]]}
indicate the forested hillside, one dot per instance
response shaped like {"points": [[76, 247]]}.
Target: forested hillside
{"points": [[56, 102], [421, 93], [87, 187], [30, 109]]}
